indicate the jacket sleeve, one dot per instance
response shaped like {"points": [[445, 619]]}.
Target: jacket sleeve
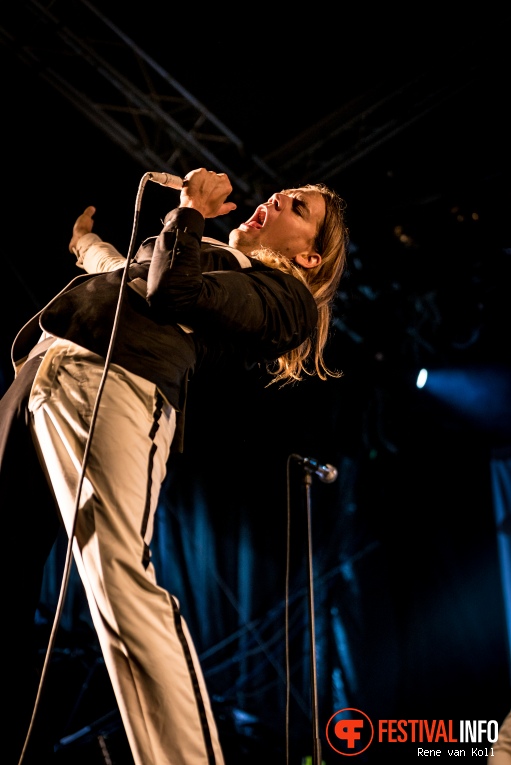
{"points": [[95, 256], [270, 310]]}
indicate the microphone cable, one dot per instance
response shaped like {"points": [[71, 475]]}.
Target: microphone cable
{"points": [[165, 180]]}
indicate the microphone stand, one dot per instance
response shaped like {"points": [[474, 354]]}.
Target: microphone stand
{"points": [[316, 752], [327, 474]]}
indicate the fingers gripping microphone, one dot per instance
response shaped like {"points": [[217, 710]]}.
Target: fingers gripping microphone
{"points": [[165, 179], [326, 473]]}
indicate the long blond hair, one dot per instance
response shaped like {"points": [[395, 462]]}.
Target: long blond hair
{"points": [[331, 243]]}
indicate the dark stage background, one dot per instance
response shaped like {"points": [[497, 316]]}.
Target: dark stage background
{"points": [[411, 543]]}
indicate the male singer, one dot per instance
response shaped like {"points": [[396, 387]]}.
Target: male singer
{"points": [[263, 299]]}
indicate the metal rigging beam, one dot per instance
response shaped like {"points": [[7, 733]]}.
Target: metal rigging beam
{"points": [[127, 94], [143, 109]]}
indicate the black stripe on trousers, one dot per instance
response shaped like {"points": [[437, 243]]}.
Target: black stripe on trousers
{"points": [[177, 616], [152, 435], [195, 683]]}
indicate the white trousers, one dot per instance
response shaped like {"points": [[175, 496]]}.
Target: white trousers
{"points": [[145, 642]]}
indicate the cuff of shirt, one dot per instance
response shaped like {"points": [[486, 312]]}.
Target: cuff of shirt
{"points": [[83, 245]]}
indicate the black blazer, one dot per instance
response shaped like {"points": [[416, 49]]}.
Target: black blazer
{"points": [[253, 314]]}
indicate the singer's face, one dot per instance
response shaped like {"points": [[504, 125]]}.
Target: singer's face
{"points": [[287, 223]]}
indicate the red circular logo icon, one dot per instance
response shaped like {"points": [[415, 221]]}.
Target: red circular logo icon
{"points": [[349, 731]]}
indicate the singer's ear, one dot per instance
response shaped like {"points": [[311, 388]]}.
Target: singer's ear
{"points": [[309, 261]]}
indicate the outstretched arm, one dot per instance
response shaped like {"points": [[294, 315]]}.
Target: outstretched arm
{"points": [[92, 254]]}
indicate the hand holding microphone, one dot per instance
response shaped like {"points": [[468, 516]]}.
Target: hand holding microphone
{"points": [[203, 190]]}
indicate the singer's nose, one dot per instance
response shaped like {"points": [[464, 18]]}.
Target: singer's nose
{"points": [[275, 200]]}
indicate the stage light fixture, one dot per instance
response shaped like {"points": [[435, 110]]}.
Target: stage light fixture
{"points": [[479, 395], [422, 378]]}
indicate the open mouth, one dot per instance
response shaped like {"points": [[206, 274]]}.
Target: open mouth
{"points": [[258, 218]]}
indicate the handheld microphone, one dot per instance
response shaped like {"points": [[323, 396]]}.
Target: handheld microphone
{"points": [[165, 179], [326, 473]]}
